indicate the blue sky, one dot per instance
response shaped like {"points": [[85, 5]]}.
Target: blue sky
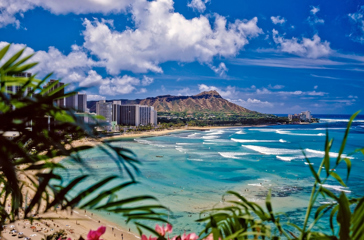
{"points": [[270, 56]]}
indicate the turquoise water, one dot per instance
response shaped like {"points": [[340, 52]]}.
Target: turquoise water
{"points": [[195, 168]]}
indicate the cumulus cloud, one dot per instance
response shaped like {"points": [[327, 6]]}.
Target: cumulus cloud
{"points": [[220, 70], [313, 18], [95, 97], [253, 103], [357, 19], [310, 48], [198, 5], [11, 10], [163, 35], [69, 67], [228, 92], [147, 81], [118, 85], [278, 20]]}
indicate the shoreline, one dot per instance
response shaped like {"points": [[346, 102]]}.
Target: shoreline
{"points": [[78, 223]]}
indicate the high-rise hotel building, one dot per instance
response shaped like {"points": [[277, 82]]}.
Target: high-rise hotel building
{"points": [[127, 114]]}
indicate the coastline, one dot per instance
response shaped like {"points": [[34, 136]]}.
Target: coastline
{"points": [[81, 222]]}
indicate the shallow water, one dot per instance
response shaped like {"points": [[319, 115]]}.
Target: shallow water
{"points": [[190, 171]]}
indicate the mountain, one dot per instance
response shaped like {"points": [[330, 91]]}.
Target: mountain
{"points": [[209, 101]]}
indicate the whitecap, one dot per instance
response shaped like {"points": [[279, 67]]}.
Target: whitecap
{"points": [[336, 187], [318, 153], [287, 159], [298, 134], [272, 151], [240, 132], [330, 120], [185, 143], [309, 163], [251, 140], [181, 149], [215, 132], [209, 143], [232, 155], [210, 137], [282, 140]]}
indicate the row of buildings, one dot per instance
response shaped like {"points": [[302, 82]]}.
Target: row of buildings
{"points": [[300, 117], [126, 114], [114, 112]]}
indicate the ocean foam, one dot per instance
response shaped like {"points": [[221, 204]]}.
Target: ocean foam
{"points": [[251, 140], [287, 159], [209, 143], [329, 120], [298, 134], [272, 151], [322, 153], [232, 155], [240, 132], [210, 137], [282, 141], [336, 187], [185, 143], [181, 149], [195, 159], [215, 132]]}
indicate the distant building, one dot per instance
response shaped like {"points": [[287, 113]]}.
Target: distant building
{"points": [[136, 115], [72, 102], [130, 115], [306, 116], [302, 117], [82, 102], [153, 117], [13, 89], [116, 117], [104, 109], [58, 102]]}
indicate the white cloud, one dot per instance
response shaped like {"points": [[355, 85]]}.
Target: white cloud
{"points": [[305, 48], [163, 35], [147, 81], [93, 97], [313, 19], [142, 90], [314, 10], [92, 79], [275, 86], [11, 10], [220, 70], [287, 93], [278, 20], [198, 5], [228, 92], [69, 67], [118, 85], [358, 19], [351, 96], [253, 103], [315, 87]]}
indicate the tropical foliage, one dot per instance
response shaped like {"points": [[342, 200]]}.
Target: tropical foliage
{"points": [[42, 131]]}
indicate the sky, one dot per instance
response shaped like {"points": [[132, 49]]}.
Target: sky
{"points": [[278, 57]]}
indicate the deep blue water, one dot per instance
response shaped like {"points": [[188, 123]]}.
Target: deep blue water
{"points": [[195, 168]]}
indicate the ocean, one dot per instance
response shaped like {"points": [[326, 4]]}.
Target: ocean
{"points": [[190, 171]]}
